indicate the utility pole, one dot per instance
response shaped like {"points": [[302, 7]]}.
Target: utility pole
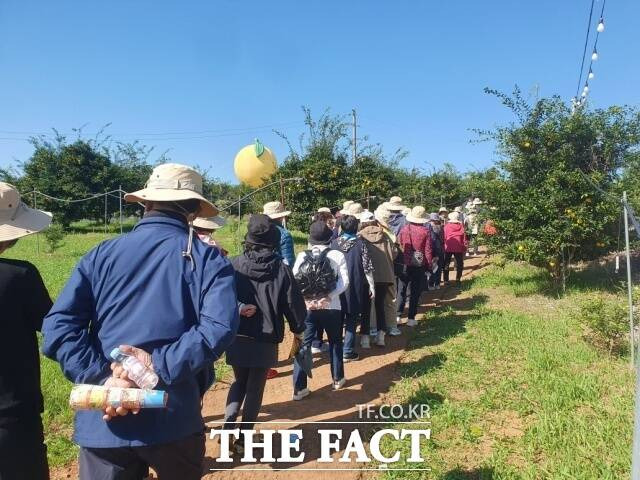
{"points": [[355, 150], [629, 285]]}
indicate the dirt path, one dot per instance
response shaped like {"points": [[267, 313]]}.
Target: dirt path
{"points": [[368, 381]]}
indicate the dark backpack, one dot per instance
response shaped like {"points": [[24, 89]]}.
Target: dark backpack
{"points": [[315, 276]]}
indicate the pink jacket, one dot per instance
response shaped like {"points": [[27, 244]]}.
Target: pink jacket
{"points": [[415, 238], [455, 240]]}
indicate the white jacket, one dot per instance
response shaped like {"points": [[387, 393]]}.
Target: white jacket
{"points": [[338, 263]]}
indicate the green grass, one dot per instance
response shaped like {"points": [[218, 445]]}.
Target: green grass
{"points": [[515, 391], [55, 269]]}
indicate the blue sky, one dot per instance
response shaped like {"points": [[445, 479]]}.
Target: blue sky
{"points": [[414, 70]]}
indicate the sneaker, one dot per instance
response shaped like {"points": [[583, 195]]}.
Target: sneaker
{"points": [[315, 350], [373, 332], [412, 322], [337, 385], [305, 392], [380, 339], [272, 373], [365, 341], [395, 331], [350, 357]]}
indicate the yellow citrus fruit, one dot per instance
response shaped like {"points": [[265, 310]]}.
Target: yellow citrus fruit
{"points": [[251, 168], [520, 248]]}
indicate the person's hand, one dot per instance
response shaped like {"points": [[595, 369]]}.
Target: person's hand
{"points": [[248, 310], [111, 412], [144, 357]]}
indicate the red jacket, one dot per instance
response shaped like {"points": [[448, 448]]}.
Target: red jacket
{"points": [[415, 238], [455, 240]]}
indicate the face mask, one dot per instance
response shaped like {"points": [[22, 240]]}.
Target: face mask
{"points": [[206, 238]]}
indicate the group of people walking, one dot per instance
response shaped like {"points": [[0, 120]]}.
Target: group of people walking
{"points": [[168, 293]]}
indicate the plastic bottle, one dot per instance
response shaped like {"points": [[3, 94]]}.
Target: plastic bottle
{"points": [[137, 371]]}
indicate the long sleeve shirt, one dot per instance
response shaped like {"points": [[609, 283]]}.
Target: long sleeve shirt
{"points": [[139, 289], [339, 265], [415, 238]]}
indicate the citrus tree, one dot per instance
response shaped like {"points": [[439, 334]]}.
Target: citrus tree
{"points": [[556, 197]]}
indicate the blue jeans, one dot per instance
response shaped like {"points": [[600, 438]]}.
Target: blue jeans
{"points": [[331, 321], [350, 322]]}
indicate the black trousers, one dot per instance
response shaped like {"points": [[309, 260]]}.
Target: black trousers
{"points": [[365, 323], [246, 392], [413, 281], [178, 460], [459, 265], [23, 454]]}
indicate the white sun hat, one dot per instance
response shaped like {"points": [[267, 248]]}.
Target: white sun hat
{"points": [[417, 215], [345, 207], [454, 217], [324, 210], [16, 219], [355, 209], [211, 223], [395, 204], [173, 182], [477, 201], [275, 210], [366, 216], [382, 215]]}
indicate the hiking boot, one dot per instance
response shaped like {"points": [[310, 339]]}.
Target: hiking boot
{"points": [[380, 339], [395, 331], [337, 385], [238, 448], [412, 322], [365, 341], [305, 392]]}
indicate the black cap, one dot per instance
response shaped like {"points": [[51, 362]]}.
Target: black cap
{"points": [[320, 234], [262, 232]]}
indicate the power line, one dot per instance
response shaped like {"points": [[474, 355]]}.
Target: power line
{"points": [[584, 52]]}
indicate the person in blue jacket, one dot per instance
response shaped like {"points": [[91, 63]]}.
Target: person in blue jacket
{"points": [[168, 299], [276, 212]]}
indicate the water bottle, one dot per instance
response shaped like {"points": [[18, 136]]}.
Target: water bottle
{"points": [[137, 371]]}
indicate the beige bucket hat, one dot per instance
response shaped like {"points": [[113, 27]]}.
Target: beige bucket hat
{"points": [[395, 204], [355, 209], [345, 207], [275, 210], [324, 210], [405, 211], [382, 215], [418, 215], [477, 201], [16, 219], [443, 209], [172, 182], [454, 217], [211, 223]]}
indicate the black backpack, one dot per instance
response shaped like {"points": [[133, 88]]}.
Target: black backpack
{"points": [[315, 276]]}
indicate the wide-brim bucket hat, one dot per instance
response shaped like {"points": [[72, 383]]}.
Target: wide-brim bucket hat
{"points": [[454, 217], [355, 210], [382, 215], [417, 215], [345, 207], [173, 182], [17, 219], [211, 223], [395, 204], [275, 210]]}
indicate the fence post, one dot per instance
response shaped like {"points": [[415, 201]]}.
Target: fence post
{"points": [[105, 211], [629, 285], [120, 201], [35, 206]]}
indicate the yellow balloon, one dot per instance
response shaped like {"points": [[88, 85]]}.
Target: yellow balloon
{"points": [[251, 168]]}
